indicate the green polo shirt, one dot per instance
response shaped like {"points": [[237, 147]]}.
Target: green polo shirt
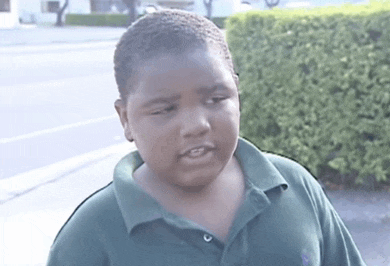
{"points": [[285, 219]]}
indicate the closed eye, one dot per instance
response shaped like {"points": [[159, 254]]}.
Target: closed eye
{"points": [[164, 110]]}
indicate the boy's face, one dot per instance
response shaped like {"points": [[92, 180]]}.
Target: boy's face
{"points": [[178, 103]]}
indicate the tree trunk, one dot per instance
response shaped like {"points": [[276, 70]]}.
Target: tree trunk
{"points": [[93, 5], [60, 12], [131, 5], [209, 7], [271, 3]]}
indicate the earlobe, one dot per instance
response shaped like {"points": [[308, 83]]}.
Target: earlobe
{"points": [[236, 79], [128, 134]]}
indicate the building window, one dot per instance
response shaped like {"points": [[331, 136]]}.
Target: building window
{"points": [[5, 6], [53, 6], [50, 6]]}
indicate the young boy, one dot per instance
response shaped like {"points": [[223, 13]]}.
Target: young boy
{"points": [[194, 193]]}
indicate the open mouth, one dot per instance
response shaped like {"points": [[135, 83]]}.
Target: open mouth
{"points": [[198, 156], [197, 152]]}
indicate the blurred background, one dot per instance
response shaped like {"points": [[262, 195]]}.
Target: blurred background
{"points": [[49, 12], [60, 137]]}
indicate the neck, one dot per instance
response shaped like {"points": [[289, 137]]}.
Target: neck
{"points": [[213, 207], [169, 194]]}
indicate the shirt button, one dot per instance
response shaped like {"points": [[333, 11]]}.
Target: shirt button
{"points": [[207, 238]]}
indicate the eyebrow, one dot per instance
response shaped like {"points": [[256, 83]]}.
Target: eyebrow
{"points": [[161, 100], [209, 90], [170, 99]]}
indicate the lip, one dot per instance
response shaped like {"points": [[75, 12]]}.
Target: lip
{"points": [[207, 146]]}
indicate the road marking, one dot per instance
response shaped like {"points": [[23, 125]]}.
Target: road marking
{"points": [[56, 129]]}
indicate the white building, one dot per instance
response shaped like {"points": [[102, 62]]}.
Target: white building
{"points": [[13, 12], [44, 11], [9, 17], [220, 8]]}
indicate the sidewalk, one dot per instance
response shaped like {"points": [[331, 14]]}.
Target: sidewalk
{"points": [[30, 221], [18, 185], [38, 35]]}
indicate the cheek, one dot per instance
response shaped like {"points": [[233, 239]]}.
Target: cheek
{"points": [[159, 143], [166, 146], [229, 118], [165, 135]]}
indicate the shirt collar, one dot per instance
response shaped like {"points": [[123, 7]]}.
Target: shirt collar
{"points": [[257, 168], [138, 207]]}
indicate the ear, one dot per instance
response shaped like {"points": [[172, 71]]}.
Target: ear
{"points": [[239, 101], [121, 109], [236, 79]]}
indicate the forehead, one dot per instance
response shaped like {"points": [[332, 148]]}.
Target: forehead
{"points": [[169, 63], [192, 67]]}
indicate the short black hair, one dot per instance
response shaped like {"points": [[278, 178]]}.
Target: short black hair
{"points": [[165, 31]]}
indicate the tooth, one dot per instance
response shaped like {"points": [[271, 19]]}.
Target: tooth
{"points": [[197, 151]]}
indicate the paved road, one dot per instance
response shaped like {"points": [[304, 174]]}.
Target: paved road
{"points": [[56, 100], [32, 35]]}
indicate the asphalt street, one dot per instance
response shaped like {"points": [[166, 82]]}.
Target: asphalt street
{"points": [[366, 215], [56, 99], [32, 35]]}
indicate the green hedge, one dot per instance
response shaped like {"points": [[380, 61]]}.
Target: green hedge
{"points": [[219, 21], [315, 87], [113, 20]]}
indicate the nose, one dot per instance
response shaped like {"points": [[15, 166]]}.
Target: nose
{"points": [[194, 123]]}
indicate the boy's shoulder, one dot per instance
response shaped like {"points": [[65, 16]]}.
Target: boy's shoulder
{"points": [[83, 239], [93, 212], [284, 163], [292, 171], [274, 166], [102, 200]]}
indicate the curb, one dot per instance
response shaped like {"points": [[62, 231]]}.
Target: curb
{"points": [[20, 184]]}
